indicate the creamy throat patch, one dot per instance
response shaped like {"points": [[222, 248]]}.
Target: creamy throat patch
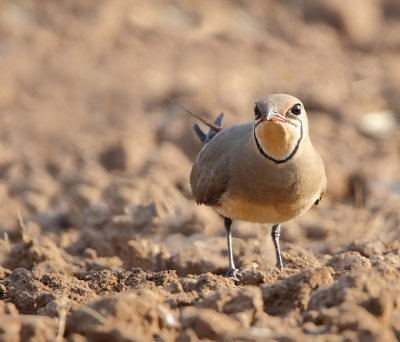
{"points": [[277, 140]]}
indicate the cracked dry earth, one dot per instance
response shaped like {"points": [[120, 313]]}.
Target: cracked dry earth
{"points": [[100, 237]]}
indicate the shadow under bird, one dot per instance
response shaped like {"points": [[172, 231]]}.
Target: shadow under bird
{"points": [[264, 171]]}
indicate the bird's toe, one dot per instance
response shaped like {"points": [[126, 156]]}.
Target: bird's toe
{"points": [[233, 273]]}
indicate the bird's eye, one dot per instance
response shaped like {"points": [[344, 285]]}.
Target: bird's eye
{"points": [[296, 109], [257, 112]]}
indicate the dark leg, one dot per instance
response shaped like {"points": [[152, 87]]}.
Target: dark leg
{"points": [[276, 230], [232, 271]]}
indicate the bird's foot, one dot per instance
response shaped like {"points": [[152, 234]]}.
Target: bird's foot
{"points": [[233, 273]]}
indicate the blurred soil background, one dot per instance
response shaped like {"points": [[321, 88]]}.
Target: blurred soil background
{"points": [[100, 239]]}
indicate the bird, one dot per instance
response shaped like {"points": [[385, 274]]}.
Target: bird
{"points": [[262, 171]]}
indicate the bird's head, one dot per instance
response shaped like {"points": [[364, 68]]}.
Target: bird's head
{"points": [[280, 124]]}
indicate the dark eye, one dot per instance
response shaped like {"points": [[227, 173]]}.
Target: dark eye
{"points": [[296, 109], [257, 112]]}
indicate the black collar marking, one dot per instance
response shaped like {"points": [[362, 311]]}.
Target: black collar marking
{"points": [[278, 161]]}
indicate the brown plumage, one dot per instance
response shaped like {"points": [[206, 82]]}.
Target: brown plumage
{"points": [[263, 171]]}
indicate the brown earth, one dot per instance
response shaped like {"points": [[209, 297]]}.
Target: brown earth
{"points": [[100, 237]]}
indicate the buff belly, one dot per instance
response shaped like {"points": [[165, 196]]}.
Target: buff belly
{"points": [[240, 209]]}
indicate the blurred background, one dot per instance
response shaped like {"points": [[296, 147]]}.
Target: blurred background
{"points": [[93, 153]]}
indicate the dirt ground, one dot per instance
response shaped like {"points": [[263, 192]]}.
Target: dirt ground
{"points": [[100, 237]]}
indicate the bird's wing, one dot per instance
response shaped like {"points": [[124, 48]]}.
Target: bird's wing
{"points": [[212, 171], [209, 177]]}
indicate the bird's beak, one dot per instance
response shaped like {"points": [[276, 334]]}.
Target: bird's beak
{"points": [[272, 115]]}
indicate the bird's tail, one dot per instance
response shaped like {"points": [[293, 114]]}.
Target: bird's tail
{"points": [[214, 127], [206, 137]]}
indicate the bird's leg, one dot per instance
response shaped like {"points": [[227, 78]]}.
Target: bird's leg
{"points": [[232, 271], [276, 230]]}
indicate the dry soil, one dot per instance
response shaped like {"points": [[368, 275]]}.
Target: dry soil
{"points": [[100, 237]]}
